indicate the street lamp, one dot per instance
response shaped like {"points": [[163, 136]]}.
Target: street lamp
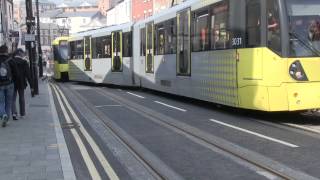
{"points": [[38, 39], [31, 46]]}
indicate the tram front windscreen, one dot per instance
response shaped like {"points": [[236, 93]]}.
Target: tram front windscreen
{"points": [[60, 52], [304, 27]]}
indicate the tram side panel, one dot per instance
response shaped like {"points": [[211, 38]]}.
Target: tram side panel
{"points": [[137, 60], [164, 76], [100, 69], [77, 73], [103, 72], [213, 77]]}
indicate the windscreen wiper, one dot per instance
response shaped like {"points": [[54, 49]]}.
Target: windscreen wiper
{"points": [[305, 43]]}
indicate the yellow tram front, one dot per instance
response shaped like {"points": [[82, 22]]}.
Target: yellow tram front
{"points": [[281, 70], [60, 55]]}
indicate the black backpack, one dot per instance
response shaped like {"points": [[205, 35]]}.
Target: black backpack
{"points": [[5, 72]]}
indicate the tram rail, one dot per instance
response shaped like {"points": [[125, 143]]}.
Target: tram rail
{"points": [[153, 166], [269, 166]]}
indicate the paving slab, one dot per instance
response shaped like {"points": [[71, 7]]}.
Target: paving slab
{"points": [[34, 146]]}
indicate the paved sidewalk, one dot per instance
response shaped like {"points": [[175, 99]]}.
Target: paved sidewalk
{"points": [[34, 147]]}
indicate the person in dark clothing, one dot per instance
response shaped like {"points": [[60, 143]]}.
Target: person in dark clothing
{"points": [[20, 83], [8, 74]]}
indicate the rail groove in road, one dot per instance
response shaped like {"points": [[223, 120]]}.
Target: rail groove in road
{"points": [[305, 127], [193, 133], [151, 163]]}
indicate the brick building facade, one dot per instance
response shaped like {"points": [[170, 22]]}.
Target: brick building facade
{"points": [[141, 9]]}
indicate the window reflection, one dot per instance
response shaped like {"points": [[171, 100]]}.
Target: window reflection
{"points": [[304, 25]]}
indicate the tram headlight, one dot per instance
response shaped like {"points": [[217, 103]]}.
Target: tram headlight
{"points": [[296, 71]]}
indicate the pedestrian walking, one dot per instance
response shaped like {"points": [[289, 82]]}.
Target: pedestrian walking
{"points": [[20, 84], [8, 73]]}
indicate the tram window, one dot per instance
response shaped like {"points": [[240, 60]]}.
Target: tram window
{"points": [[103, 47], [274, 38], [79, 49], [87, 45], [94, 48], [253, 24], [99, 49], [160, 39], [106, 46], [183, 44], [73, 50], [220, 38], [117, 61], [127, 44], [150, 48], [143, 42], [171, 36], [200, 31]]}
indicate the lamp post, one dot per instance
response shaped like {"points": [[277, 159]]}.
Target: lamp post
{"points": [[39, 43], [31, 46]]}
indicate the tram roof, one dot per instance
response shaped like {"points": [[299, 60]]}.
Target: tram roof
{"points": [[102, 31], [172, 12], [58, 39]]}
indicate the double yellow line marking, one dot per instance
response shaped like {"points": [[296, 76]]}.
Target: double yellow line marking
{"points": [[83, 150]]}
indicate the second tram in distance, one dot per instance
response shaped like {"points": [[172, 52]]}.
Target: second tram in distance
{"points": [[60, 57], [252, 54]]}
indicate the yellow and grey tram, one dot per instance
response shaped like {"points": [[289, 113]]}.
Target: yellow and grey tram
{"points": [[252, 54], [103, 56], [60, 56]]}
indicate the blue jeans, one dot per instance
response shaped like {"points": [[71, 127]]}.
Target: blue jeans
{"points": [[6, 98]]}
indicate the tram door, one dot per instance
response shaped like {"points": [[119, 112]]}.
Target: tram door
{"points": [[150, 48], [183, 43], [116, 51], [87, 54]]}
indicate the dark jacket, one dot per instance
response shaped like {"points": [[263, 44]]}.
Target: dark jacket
{"points": [[13, 66], [24, 73]]}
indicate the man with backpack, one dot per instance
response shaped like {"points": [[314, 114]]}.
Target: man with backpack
{"points": [[20, 83], [8, 73]]}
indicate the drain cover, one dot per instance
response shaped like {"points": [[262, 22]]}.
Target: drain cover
{"points": [[69, 125], [39, 105]]}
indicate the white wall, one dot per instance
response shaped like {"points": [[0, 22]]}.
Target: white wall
{"points": [[6, 8], [45, 20], [111, 17], [120, 14], [77, 24]]}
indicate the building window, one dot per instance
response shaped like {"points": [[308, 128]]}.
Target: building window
{"points": [[45, 41]]}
